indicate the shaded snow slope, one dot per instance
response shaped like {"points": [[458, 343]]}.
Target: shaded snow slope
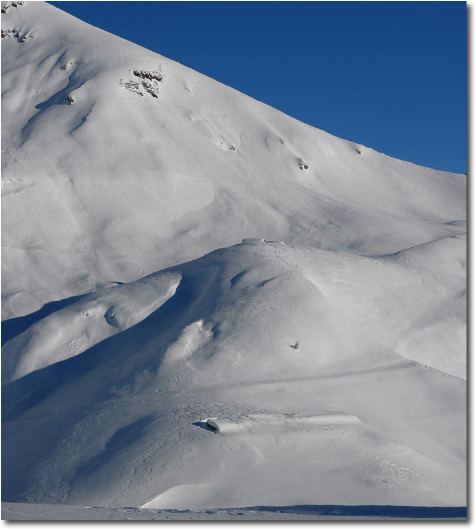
{"points": [[90, 320], [271, 376], [118, 162]]}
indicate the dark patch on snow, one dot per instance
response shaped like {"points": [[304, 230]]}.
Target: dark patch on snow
{"points": [[151, 76], [150, 88], [148, 81], [211, 426], [8, 32], [236, 278], [23, 38], [110, 317], [6, 7], [16, 34], [266, 281], [392, 511], [81, 122], [132, 86], [67, 65], [202, 425]]}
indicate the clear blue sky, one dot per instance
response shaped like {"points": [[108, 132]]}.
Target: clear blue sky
{"points": [[388, 75]]}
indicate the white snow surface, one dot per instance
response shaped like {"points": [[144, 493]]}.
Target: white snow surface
{"points": [[118, 185], [320, 361], [32, 511]]}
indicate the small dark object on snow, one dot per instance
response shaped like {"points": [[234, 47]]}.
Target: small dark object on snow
{"points": [[151, 76], [212, 428]]}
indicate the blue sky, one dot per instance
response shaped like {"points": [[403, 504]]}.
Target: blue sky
{"points": [[388, 75]]}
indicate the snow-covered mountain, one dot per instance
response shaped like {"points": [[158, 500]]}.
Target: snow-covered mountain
{"points": [[138, 174], [209, 303]]}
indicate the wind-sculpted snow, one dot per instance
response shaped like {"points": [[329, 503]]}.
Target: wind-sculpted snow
{"points": [[78, 327], [150, 358], [103, 185], [285, 423], [342, 418]]}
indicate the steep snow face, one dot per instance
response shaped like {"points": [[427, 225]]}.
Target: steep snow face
{"points": [[269, 375], [118, 162]]}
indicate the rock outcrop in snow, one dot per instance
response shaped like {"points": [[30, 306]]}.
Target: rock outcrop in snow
{"points": [[147, 82]]}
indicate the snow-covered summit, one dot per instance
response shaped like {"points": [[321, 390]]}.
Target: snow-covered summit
{"points": [[118, 162]]}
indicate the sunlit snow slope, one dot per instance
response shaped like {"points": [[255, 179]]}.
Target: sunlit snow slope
{"points": [[339, 418], [125, 181], [153, 358]]}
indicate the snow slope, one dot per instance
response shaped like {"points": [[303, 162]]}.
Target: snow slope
{"points": [[341, 419], [154, 360], [121, 183]]}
